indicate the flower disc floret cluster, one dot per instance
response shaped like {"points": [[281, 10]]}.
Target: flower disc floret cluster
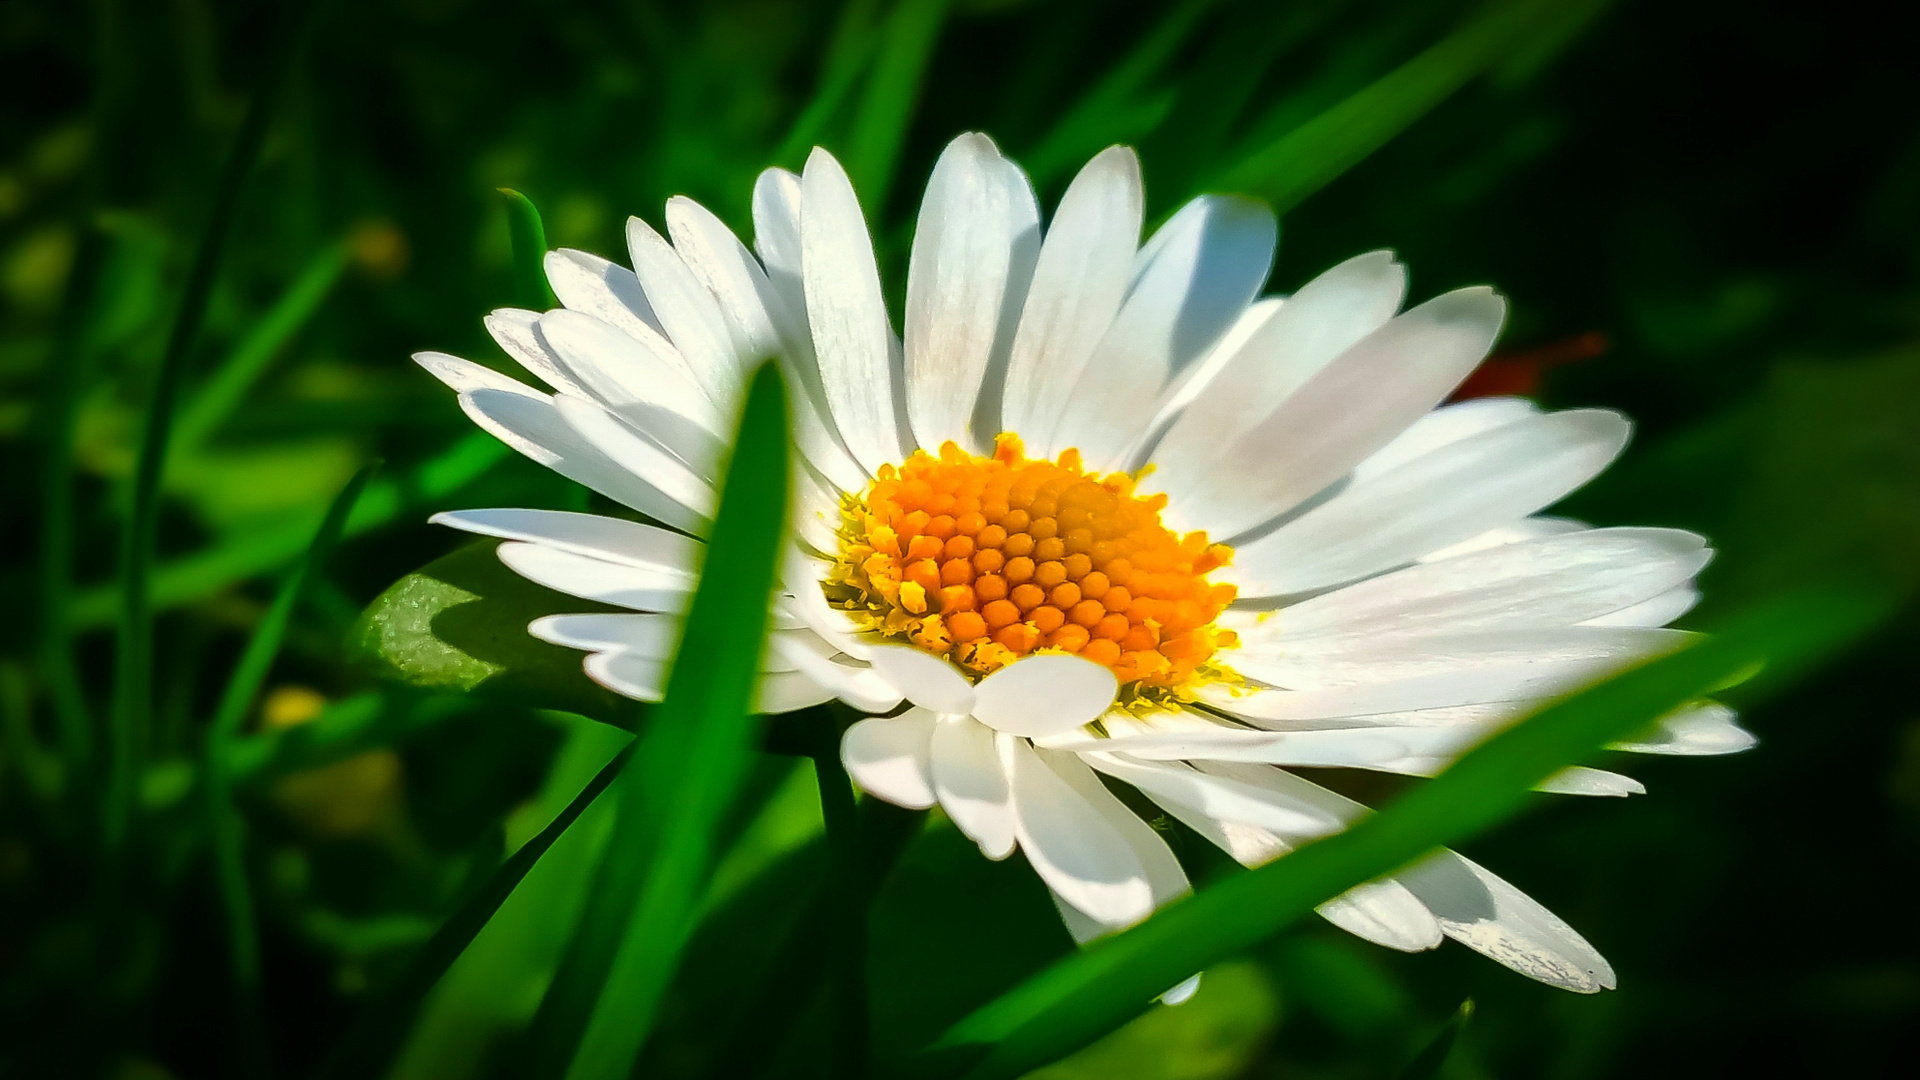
{"points": [[984, 560]]}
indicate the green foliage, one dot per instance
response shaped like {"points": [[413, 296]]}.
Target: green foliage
{"points": [[459, 625]]}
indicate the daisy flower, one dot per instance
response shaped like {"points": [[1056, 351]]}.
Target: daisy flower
{"points": [[1101, 517]]}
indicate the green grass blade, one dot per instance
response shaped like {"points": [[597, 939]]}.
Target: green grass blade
{"points": [[1086, 995], [529, 252], [893, 91], [1309, 157], [133, 661], [204, 573], [250, 358], [370, 1045], [847, 58], [693, 754], [226, 830], [349, 726], [1107, 112], [1426, 1064]]}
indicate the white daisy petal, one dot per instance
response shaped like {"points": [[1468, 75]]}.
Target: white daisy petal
{"points": [[463, 375], [851, 334], [638, 677], [637, 587], [1703, 729], [1023, 230], [1072, 844], [603, 289], [688, 312], [515, 331], [755, 315], [534, 426], [694, 500], [1659, 611], [890, 758], [597, 537], [972, 783], [1494, 684], [785, 691], [1451, 494], [1497, 920], [923, 678], [1576, 652], [1533, 528], [1190, 794], [956, 283], [1044, 695], [1385, 913], [1274, 357], [1344, 412], [1165, 878], [1356, 747], [1550, 582], [1580, 780], [620, 369], [1084, 267], [1194, 278], [1443, 426], [856, 684]]}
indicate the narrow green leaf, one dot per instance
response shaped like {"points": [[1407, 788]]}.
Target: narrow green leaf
{"points": [[369, 1046], [893, 91], [529, 252], [459, 625], [226, 830], [1309, 157], [1426, 1064], [204, 573], [349, 726], [1086, 995], [133, 660], [693, 756], [237, 374], [848, 56], [1111, 110]]}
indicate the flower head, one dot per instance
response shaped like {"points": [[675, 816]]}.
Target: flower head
{"points": [[1101, 516]]}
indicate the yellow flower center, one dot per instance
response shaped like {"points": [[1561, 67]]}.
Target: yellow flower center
{"points": [[984, 560]]}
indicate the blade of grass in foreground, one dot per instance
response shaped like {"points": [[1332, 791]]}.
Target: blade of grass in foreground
{"points": [[224, 826], [133, 661], [1306, 159], [384, 1024], [1089, 994], [529, 252], [692, 756]]}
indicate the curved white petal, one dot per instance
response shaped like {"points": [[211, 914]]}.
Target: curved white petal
{"points": [[1703, 729], [1441, 498], [620, 369], [1385, 913], [1344, 412], [1074, 847], [1084, 267], [533, 425], [688, 312], [639, 677], [1444, 425], [785, 691], [463, 375], [1514, 532], [1554, 581], [852, 337], [1497, 920], [515, 331], [1195, 277], [956, 284], [1355, 747], [606, 290], [1573, 652], [1193, 796], [856, 684], [972, 783], [694, 499], [593, 535], [923, 678], [1164, 876], [1580, 780], [635, 587], [1274, 357], [1023, 228], [890, 758], [755, 315], [1044, 695], [1658, 611]]}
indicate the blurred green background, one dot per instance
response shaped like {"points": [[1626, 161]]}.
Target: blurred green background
{"points": [[1706, 214]]}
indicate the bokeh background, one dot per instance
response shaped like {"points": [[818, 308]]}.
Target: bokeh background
{"points": [[1707, 214]]}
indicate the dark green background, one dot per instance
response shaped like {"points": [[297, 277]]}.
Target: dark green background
{"points": [[1728, 192]]}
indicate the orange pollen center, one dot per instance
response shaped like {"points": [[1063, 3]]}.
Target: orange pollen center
{"points": [[984, 560]]}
